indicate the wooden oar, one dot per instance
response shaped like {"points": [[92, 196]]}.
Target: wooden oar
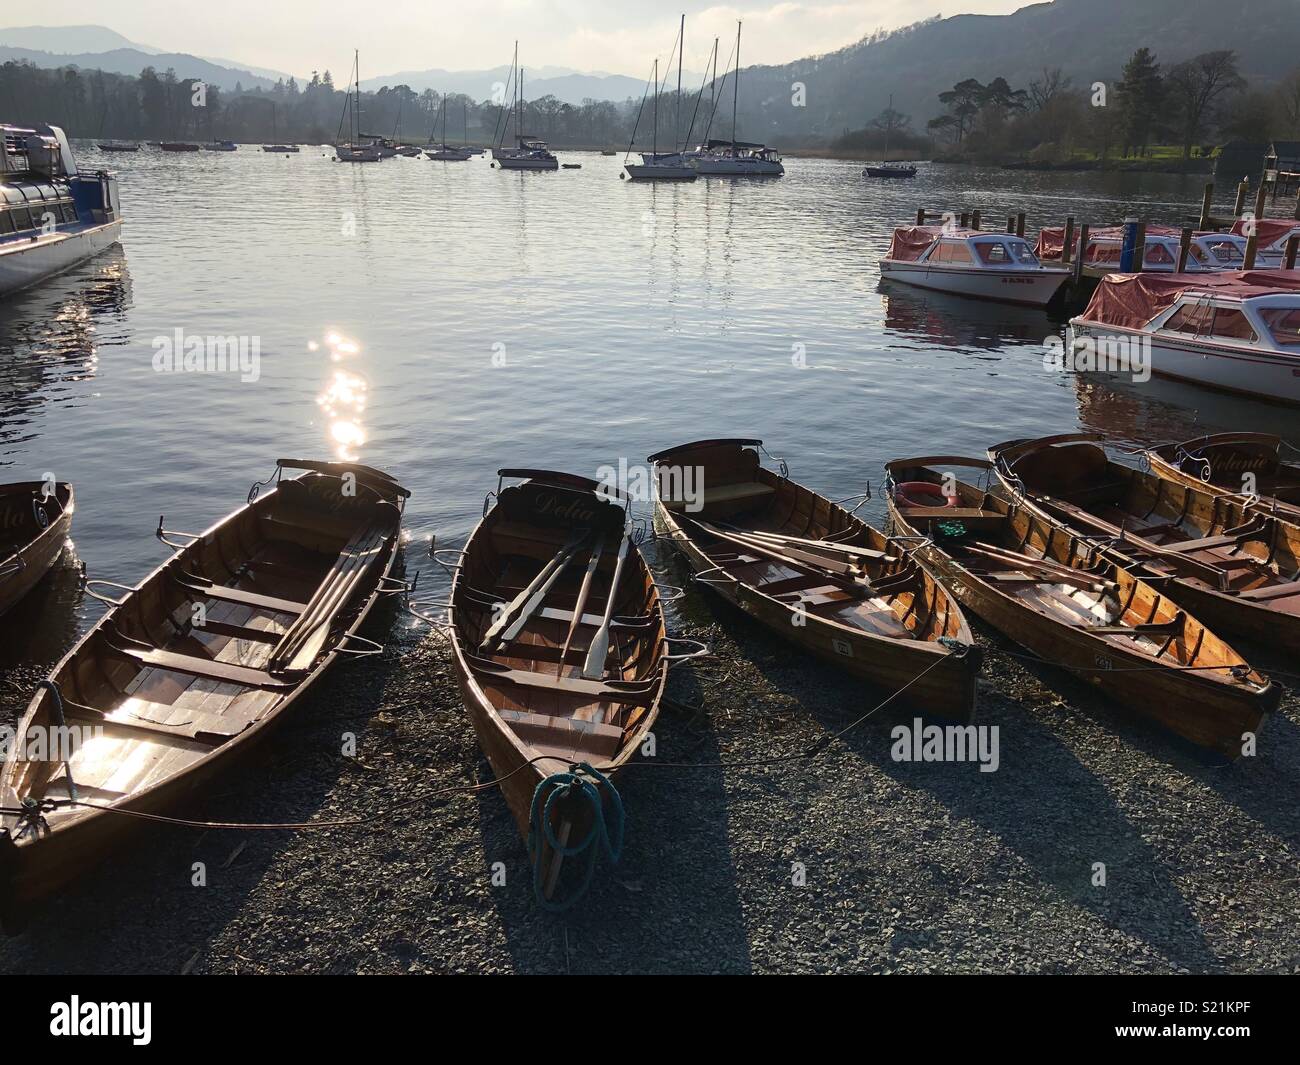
{"points": [[582, 600], [805, 555], [826, 546], [854, 586], [594, 667], [498, 632], [1054, 571]]}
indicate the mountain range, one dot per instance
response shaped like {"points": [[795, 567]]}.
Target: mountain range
{"points": [[1088, 39]]}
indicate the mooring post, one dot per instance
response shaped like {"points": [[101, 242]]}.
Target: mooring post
{"points": [[1184, 249], [1011, 223], [1292, 243], [1127, 245], [1020, 224], [1068, 245], [1296, 215], [1083, 253], [1207, 201], [1139, 246], [965, 220], [920, 216], [1259, 200], [1243, 187], [975, 220]]}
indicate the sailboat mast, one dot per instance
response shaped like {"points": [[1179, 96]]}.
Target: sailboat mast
{"points": [[677, 108], [654, 137], [735, 89]]}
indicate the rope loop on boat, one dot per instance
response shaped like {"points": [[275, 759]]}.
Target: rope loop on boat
{"points": [[581, 780]]}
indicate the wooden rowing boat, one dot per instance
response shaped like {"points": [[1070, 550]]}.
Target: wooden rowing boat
{"points": [[1242, 465], [193, 666], [560, 645], [1236, 568], [34, 525], [1073, 605], [816, 574]]}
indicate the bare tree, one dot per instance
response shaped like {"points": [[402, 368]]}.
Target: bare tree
{"points": [[1042, 91], [1199, 86]]}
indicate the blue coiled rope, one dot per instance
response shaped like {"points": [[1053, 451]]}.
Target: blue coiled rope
{"points": [[590, 784]]}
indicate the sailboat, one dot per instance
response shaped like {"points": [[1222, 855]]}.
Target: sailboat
{"points": [[444, 152], [353, 150], [531, 153], [407, 151], [888, 169], [289, 149], [670, 166], [735, 158]]}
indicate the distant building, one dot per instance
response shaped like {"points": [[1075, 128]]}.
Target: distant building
{"points": [[1245, 159]]}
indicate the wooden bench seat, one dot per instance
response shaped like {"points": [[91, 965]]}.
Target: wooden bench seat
{"points": [[194, 666], [725, 493], [564, 734], [1271, 591], [224, 594], [640, 693], [167, 720]]}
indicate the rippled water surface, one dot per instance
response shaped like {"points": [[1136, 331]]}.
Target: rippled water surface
{"points": [[442, 320]]}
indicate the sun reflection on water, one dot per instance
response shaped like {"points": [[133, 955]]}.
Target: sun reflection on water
{"points": [[343, 401]]}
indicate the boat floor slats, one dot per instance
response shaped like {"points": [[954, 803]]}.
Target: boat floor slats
{"points": [[128, 764], [176, 722]]}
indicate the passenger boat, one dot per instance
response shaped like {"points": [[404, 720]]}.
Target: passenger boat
{"points": [[733, 158], [1271, 235], [890, 170], [1247, 466], [1208, 252], [1069, 603], [816, 574], [221, 146], [1237, 568], [52, 214], [1239, 332], [35, 521], [656, 165], [560, 647], [179, 146], [114, 146], [194, 666], [971, 262]]}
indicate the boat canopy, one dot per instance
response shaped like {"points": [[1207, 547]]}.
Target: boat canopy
{"points": [[714, 145], [910, 242], [1130, 301], [1269, 230]]}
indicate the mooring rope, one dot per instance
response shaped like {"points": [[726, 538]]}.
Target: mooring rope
{"points": [[593, 786]]}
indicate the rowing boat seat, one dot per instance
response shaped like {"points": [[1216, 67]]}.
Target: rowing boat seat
{"points": [[725, 493], [638, 693], [564, 734], [223, 594], [164, 719], [196, 666]]}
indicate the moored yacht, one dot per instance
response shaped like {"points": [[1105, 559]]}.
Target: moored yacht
{"points": [[1235, 331], [656, 165], [735, 158], [444, 152], [971, 262], [52, 215], [358, 148]]}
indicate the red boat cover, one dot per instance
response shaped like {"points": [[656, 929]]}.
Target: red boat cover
{"points": [[1270, 230], [1132, 300], [911, 241], [1051, 239]]}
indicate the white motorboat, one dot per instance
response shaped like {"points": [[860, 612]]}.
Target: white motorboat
{"points": [[1234, 331], [971, 262], [52, 214], [1208, 251], [1272, 234]]}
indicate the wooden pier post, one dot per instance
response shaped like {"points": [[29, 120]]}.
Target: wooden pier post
{"points": [[1184, 249], [1252, 250], [1083, 253], [920, 216], [965, 220], [1020, 224], [1139, 246], [1207, 202], [1011, 223], [1260, 196], [1292, 244], [1068, 240], [1296, 216], [975, 220], [1243, 187]]}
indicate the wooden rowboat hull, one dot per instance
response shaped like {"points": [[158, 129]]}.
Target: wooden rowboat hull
{"points": [[1200, 706], [32, 548], [535, 710], [1227, 457], [937, 679], [168, 697]]}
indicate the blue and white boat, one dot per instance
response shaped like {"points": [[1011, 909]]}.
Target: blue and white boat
{"points": [[52, 215]]}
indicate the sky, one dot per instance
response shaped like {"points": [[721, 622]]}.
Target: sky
{"points": [[612, 36]]}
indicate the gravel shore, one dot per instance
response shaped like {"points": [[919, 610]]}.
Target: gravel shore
{"points": [[908, 867]]}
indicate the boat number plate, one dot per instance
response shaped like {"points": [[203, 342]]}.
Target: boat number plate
{"points": [[842, 647]]}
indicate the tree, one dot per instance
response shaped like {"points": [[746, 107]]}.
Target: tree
{"points": [[1043, 91], [890, 121], [1140, 91], [1002, 98], [963, 101], [1199, 87], [1288, 103]]}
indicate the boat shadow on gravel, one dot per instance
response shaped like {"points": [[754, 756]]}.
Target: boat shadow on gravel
{"points": [[1046, 804]]}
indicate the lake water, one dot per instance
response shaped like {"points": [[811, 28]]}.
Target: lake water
{"points": [[441, 320]]}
